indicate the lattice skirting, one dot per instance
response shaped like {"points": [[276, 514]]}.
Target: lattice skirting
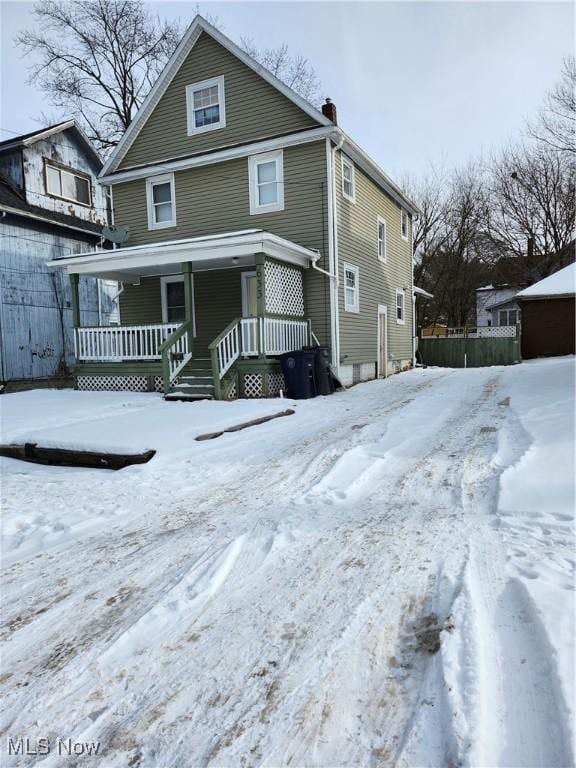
{"points": [[113, 383], [275, 384], [253, 385], [158, 384], [230, 390]]}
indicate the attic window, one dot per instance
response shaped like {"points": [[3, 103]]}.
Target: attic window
{"points": [[67, 185], [206, 106], [348, 180]]}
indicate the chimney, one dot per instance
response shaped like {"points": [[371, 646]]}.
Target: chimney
{"points": [[329, 111]]}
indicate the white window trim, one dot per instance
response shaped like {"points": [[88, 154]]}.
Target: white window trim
{"points": [[70, 172], [400, 292], [384, 257], [356, 306], [406, 236], [352, 197], [164, 280], [190, 89], [151, 181], [253, 162]]}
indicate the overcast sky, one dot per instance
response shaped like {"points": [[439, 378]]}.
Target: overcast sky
{"points": [[415, 83]]}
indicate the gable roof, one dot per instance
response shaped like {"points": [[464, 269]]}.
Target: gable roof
{"points": [[190, 38], [26, 139], [561, 283]]}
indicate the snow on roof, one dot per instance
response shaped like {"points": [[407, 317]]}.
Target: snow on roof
{"points": [[561, 283], [486, 288]]}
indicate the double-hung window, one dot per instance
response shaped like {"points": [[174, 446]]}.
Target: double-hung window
{"points": [[266, 179], [205, 102], [400, 309], [161, 201], [507, 317], [67, 184], [351, 288], [404, 224], [381, 239], [348, 180]]}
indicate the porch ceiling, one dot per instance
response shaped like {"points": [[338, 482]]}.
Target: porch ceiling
{"points": [[233, 249]]}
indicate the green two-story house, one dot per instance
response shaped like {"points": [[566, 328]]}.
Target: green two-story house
{"points": [[253, 226]]}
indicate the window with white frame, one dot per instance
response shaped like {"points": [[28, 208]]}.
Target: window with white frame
{"points": [[351, 288], [266, 179], [205, 103], [68, 185], [381, 239], [400, 300], [404, 224], [507, 317], [348, 180], [161, 201]]}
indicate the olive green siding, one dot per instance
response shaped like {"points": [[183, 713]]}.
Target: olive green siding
{"points": [[358, 246], [215, 199], [141, 304], [254, 109]]}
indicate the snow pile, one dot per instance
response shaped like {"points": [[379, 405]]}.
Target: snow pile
{"points": [[561, 283]]}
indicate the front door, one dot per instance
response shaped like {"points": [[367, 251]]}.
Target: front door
{"points": [[249, 294], [249, 309], [382, 341]]}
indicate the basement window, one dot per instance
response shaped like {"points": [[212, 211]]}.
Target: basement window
{"points": [[161, 201], [205, 104], [67, 185]]}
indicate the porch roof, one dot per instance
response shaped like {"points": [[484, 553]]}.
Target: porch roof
{"points": [[232, 249]]}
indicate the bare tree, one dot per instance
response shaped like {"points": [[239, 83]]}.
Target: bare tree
{"points": [[556, 122], [450, 259], [532, 208], [98, 59], [295, 71]]}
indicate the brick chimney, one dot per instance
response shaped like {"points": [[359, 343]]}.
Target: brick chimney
{"points": [[329, 111]]}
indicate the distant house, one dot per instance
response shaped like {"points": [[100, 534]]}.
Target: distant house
{"points": [[50, 206], [497, 305], [548, 315]]}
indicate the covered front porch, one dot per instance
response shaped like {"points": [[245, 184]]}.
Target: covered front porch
{"points": [[204, 317]]}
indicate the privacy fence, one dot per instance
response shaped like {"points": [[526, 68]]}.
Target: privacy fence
{"points": [[472, 347]]}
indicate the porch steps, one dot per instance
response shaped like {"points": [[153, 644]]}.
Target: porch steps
{"points": [[195, 383]]}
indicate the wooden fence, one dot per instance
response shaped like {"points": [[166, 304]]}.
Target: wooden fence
{"points": [[472, 347]]}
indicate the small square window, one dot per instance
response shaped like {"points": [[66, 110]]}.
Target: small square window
{"points": [[206, 106], [351, 288], [266, 180], [348, 180], [404, 224], [400, 297], [161, 201], [381, 240]]}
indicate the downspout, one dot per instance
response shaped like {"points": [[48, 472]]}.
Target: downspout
{"points": [[333, 248]]}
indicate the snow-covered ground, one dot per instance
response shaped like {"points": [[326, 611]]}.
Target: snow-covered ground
{"points": [[383, 578]]}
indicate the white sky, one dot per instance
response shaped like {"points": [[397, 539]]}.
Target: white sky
{"points": [[415, 83]]}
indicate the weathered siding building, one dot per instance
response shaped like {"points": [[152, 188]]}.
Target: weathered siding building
{"points": [[50, 207]]}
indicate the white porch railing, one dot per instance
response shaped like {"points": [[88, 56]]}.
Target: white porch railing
{"points": [[124, 342], [272, 335], [252, 336]]}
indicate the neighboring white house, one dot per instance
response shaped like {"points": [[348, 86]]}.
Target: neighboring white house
{"points": [[50, 206], [497, 305]]}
